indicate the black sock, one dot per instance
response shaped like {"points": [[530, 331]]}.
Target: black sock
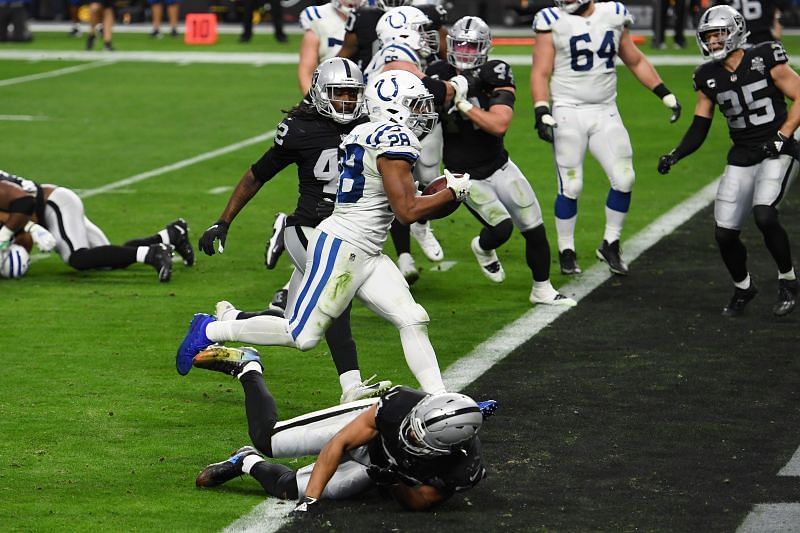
{"points": [[537, 252], [341, 343], [278, 480], [108, 256], [733, 251], [145, 241], [262, 412], [775, 237], [401, 237]]}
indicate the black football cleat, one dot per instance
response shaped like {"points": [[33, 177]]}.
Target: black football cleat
{"points": [[787, 295], [569, 262], [218, 473], [739, 300], [179, 237], [279, 301], [224, 359], [611, 255], [159, 256], [275, 247]]}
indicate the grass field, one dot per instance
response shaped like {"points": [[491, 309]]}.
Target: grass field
{"points": [[99, 432]]}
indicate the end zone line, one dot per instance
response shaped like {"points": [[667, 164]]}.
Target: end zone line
{"points": [[271, 514], [55, 73]]}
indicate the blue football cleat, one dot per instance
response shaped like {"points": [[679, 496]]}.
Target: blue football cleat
{"points": [[194, 341], [487, 407]]}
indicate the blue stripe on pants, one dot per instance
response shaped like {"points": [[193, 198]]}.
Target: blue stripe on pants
{"points": [[312, 304]]}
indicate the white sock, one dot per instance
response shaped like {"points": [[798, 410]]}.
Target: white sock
{"points": [[744, 284], [350, 379], [421, 358], [164, 234], [250, 461], [565, 229], [614, 222], [264, 330], [141, 253], [544, 289], [787, 275], [252, 366]]}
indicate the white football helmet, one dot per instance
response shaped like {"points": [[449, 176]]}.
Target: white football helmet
{"points": [[730, 26], [337, 90], [406, 26], [400, 97], [571, 6], [439, 423], [347, 6], [389, 4], [469, 42], [14, 262]]}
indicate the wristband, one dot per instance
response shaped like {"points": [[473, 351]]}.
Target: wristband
{"points": [[6, 234], [464, 106], [661, 90]]}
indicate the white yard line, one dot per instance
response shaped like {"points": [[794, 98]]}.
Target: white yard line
{"points": [[792, 468], [772, 518], [59, 72], [271, 514], [22, 118]]}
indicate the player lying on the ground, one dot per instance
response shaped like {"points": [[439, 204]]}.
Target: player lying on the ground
{"points": [[345, 258], [749, 86], [79, 242], [308, 137], [421, 448]]}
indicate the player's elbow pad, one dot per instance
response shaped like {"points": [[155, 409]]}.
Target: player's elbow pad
{"points": [[24, 205], [694, 137]]}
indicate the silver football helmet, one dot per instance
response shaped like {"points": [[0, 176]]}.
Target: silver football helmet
{"points": [[729, 27], [400, 97], [439, 423], [389, 4], [407, 25], [337, 90], [347, 6], [469, 42], [571, 6]]}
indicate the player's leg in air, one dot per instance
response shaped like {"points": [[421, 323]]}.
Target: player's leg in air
{"points": [[427, 169]]}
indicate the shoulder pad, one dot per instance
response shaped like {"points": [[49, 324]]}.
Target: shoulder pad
{"points": [[496, 73], [545, 18], [771, 52], [622, 11], [436, 13], [308, 16], [397, 52], [286, 135], [386, 138], [350, 23]]}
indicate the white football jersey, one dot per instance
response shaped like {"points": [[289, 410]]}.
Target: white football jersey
{"points": [[324, 21], [387, 54], [584, 70], [363, 215]]}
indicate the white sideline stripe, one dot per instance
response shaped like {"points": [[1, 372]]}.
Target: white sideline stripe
{"points": [[55, 73], [88, 193], [271, 514], [772, 518], [792, 468], [257, 58], [22, 118]]}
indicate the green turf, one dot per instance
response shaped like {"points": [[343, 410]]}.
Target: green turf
{"points": [[99, 432]]}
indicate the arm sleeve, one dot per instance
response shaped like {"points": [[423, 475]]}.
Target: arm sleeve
{"points": [[694, 137]]}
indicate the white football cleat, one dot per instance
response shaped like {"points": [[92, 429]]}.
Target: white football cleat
{"points": [[550, 296], [423, 233], [365, 389], [488, 261], [225, 311], [408, 267]]}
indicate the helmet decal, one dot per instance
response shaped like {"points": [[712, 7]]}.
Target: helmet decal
{"points": [[378, 88]]}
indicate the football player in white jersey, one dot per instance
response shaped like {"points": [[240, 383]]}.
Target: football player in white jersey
{"points": [[577, 44], [344, 252], [323, 36]]}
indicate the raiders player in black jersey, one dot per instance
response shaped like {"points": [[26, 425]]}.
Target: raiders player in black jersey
{"points": [[361, 40], [761, 17], [309, 137], [420, 448], [473, 142], [80, 243], [749, 86]]}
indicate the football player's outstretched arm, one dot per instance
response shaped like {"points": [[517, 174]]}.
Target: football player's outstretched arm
{"points": [[358, 432], [309, 59], [398, 183], [694, 136], [788, 82], [645, 72], [247, 187]]}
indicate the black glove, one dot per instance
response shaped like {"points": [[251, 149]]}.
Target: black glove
{"points": [[306, 507], [777, 145], [665, 162], [382, 476], [325, 208], [218, 231], [544, 123]]}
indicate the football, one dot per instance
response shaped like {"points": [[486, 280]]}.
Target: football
{"points": [[440, 184], [14, 262]]}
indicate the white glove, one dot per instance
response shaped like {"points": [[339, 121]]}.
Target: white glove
{"points": [[460, 185], [672, 102], [44, 239], [461, 87], [6, 235]]}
